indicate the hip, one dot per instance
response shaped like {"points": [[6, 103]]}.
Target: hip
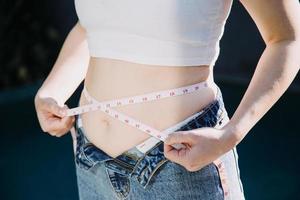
{"points": [[149, 175]]}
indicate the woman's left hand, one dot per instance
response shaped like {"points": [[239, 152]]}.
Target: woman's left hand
{"points": [[203, 146]]}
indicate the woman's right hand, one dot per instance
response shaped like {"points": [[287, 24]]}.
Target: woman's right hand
{"points": [[52, 117]]}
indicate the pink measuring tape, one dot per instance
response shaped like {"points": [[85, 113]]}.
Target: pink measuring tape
{"points": [[106, 106]]}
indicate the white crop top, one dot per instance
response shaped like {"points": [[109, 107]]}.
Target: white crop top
{"points": [[156, 32]]}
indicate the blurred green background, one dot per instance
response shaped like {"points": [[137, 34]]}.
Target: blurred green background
{"points": [[36, 166]]}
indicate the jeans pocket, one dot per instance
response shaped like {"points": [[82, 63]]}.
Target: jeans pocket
{"points": [[166, 173], [177, 181], [173, 172], [119, 182]]}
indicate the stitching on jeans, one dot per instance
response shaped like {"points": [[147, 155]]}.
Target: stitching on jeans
{"points": [[123, 164], [78, 152], [81, 150], [87, 168], [112, 187], [86, 143], [124, 195], [153, 172], [118, 195], [144, 155]]}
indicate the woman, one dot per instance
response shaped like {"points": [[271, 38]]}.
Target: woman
{"points": [[128, 48]]}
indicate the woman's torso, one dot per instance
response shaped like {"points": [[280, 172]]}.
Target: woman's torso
{"points": [[125, 39], [109, 79]]}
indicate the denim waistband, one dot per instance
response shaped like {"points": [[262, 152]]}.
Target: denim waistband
{"points": [[140, 165]]}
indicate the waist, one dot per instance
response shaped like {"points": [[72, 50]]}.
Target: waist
{"points": [[110, 78], [113, 79], [212, 115]]}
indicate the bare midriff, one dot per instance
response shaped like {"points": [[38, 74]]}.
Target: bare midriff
{"points": [[109, 79]]}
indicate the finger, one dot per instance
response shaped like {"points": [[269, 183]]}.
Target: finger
{"points": [[56, 124], [57, 110], [59, 132], [176, 146], [51, 106], [68, 121], [180, 137], [67, 125], [178, 156]]}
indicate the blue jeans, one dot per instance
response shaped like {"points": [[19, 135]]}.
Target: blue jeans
{"points": [[135, 175]]}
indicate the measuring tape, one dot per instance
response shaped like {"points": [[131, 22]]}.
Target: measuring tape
{"points": [[106, 106]]}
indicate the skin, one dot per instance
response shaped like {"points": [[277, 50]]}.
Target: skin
{"points": [[50, 98], [112, 78], [109, 79], [278, 23]]}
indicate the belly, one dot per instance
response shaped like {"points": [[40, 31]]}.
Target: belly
{"points": [[109, 79]]}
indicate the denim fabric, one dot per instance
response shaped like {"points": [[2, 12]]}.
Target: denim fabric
{"points": [[136, 175]]}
